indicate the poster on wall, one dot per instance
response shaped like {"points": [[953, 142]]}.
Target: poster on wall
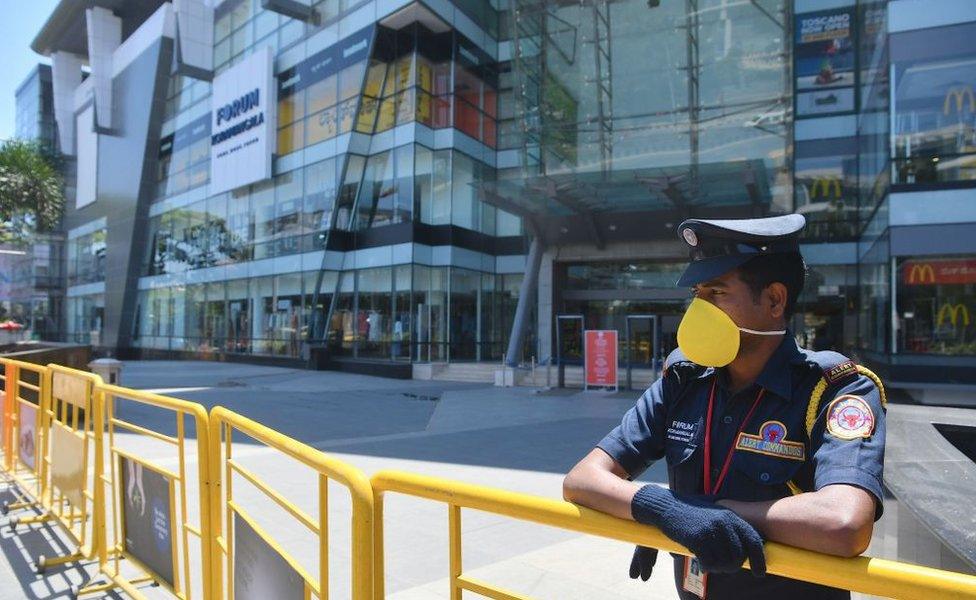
{"points": [[147, 518], [825, 62], [243, 120], [68, 464], [27, 435], [259, 571], [601, 358]]}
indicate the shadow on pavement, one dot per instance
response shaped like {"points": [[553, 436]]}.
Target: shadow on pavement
{"points": [[21, 547]]}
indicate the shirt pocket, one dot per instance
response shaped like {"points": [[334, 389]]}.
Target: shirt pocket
{"points": [[761, 477]]}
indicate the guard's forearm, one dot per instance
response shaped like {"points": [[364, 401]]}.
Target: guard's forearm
{"points": [[828, 521], [600, 490]]}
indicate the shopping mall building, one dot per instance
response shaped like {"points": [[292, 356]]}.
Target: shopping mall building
{"points": [[385, 184]]}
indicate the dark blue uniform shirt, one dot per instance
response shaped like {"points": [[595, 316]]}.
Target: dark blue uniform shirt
{"points": [[774, 456]]}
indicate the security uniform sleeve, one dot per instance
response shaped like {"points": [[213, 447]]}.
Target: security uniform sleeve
{"points": [[848, 439], [639, 439]]}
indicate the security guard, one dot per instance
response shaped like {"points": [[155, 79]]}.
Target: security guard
{"points": [[763, 440]]}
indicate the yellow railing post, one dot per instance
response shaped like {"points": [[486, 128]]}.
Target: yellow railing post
{"points": [[223, 423], [180, 528]]}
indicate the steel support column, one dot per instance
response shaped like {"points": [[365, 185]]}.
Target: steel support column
{"points": [[526, 297]]}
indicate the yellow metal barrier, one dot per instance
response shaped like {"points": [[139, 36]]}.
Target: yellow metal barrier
{"points": [[863, 574], [25, 385], [151, 500], [6, 421], [70, 455], [231, 517]]}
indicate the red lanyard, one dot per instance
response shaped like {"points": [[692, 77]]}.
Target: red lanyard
{"points": [[708, 442]]}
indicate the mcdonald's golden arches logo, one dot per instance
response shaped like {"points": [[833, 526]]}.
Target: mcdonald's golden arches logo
{"points": [[822, 186], [960, 94], [921, 273], [956, 313]]}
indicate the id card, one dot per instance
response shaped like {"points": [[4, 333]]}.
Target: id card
{"points": [[695, 580]]}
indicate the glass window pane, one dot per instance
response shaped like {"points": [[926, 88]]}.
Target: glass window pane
{"points": [[322, 94], [291, 108], [367, 115], [351, 80], [403, 189], [375, 77], [441, 206], [463, 213], [423, 184], [347, 112], [288, 209], [322, 126], [373, 322], [262, 213], [290, 138], [320, 189]]}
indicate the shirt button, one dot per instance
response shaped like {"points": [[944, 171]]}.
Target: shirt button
{"points": [[715, 473], [727, 420], [764, 477]]}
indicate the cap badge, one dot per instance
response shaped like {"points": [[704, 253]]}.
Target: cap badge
{"points": [[689, 236]]}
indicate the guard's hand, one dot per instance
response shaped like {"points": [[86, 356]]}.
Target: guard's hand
{"points": [[721, 539], [643, 562]]}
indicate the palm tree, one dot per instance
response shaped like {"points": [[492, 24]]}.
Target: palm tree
{"points": [[31, 190]]}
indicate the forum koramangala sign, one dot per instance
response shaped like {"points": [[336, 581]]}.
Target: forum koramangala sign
{"points": [[242, 128]]}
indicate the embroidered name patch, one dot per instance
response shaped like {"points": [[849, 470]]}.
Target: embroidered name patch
{"points": [[771, 441], [680, 431], [849, 417], [835, 374]]}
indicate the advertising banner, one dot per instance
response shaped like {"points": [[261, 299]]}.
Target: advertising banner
{"points": [[27, 437], [825, 62], [939, 272], [68, 463], [70, 389], [243, 120], [147, 518], [601, 357], [259, 571]]}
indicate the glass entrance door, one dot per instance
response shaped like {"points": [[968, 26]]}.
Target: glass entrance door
{"points": [[642, 350], [569, 344]]}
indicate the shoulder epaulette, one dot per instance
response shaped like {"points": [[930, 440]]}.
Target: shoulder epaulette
{"points": [[679, 365], [826, 381]]}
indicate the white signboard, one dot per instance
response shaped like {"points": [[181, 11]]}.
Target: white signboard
{"points": [[242, 123]]}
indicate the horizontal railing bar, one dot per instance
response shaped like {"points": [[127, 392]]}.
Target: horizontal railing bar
{"points": [[145, 461], [861, 574], [280, 500], [489, 591], [341, 472], [139, 429]]}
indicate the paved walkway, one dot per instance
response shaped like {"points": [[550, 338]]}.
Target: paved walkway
{"points": [[515, 439]]}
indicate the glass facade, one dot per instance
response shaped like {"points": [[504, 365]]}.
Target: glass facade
{"points": [[244, 271], [825, 188], [417, 154], [935, 300], [34, 119], [86, 258], [402, 312], [633, 106], [934, 106], [85, 318]]}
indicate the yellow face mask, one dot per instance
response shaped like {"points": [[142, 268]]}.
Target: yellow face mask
{"points": [[709, 337]]}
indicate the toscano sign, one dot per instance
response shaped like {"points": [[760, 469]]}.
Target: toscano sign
{"points": [[242, 117]]}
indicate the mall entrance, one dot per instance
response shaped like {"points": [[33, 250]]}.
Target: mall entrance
{"points": [[636, 298]]}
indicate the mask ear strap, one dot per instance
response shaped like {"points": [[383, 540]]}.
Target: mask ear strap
{"points": [[754, 332]]}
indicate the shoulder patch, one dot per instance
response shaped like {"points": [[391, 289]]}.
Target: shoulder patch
{"points": [[849, 417], [835, 374]]}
